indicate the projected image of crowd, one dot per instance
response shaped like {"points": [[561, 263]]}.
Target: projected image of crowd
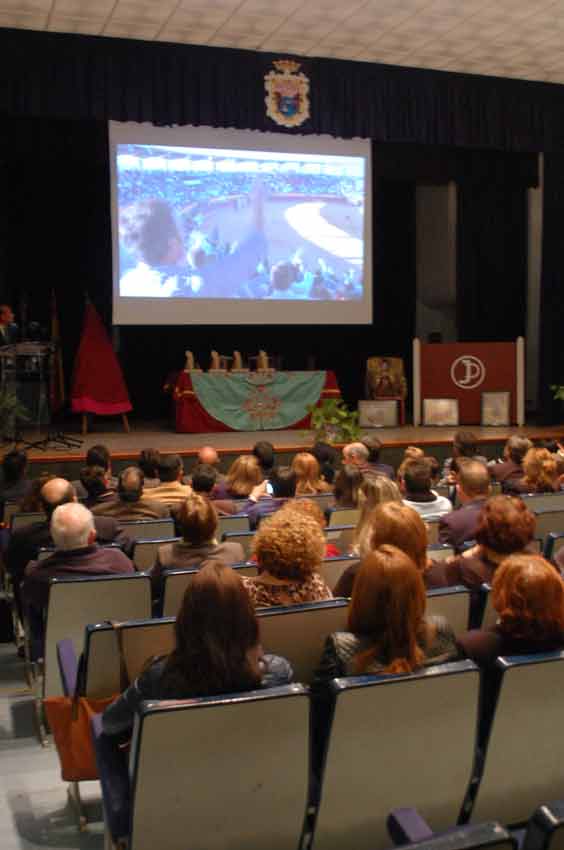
{"points": [[169, 248]]}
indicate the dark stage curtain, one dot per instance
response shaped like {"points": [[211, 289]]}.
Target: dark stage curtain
{"points": [[551, 358], [88, 77]]}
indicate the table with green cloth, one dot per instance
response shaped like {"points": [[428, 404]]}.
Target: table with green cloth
{"points": [[247, 401]]}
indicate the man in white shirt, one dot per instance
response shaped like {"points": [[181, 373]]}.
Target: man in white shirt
{"points": [[415, 485]]}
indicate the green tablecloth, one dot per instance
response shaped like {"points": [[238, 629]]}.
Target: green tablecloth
{"points": [[253, 401]]}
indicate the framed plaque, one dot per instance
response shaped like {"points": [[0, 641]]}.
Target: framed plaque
{"points": [[496, 408], [378, 413], [440, 411]]}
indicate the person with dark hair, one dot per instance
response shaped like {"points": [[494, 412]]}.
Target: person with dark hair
{"points": [[95, 481], [264, 453], [15, 485], [387, 628], [347, 486], [511, 468], [326, 455], [148, 463], [217, 651], [129, 503], [374, 446], [98, 455], [204, 479], [261, 503], [473, 488], [171, 490], [415, 484], [465, 445]]}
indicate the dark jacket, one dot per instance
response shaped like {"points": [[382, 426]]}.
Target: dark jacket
{"points": [[179, 555], [341, 648], [485, 645], [460, 525], [505, 472], [344, 586], [118, 717]]}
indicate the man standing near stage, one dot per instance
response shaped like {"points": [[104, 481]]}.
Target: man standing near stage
{"points": [[7, 327]]}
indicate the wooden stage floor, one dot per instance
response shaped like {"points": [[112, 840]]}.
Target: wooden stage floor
{"points": [[154, 434]]}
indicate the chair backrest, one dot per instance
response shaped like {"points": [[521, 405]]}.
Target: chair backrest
{"points": [[245, 538], [453, 603], [432, 523], [10, 508], [324, 500], [149, 529], [145, 552], [341, 536], [552, 501], [489, 617], [333, 568], [548, 520], [387, 747], [344, 516], [176, 582], [298, 632], [197, 765], [236, 522], [44, 552], [76, 602], [524, 764], [19, 520], [440, 551], [545, 829], [553, 542]]}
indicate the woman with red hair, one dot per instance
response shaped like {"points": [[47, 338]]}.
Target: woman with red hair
{"points": [[308, 475], [528, 595], [387, 628]]}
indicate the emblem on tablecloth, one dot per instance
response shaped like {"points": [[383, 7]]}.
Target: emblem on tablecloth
{"points": [[262, 405], [287, 98]]}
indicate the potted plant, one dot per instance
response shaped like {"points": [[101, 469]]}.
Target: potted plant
{"points": [[333, 422], [12, 411]]}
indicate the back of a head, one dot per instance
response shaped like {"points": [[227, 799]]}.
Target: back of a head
{"points": [[244, 473], [417, 476], [169, 468], [14, 466], [71, 526], [306, 468], [289, 545], [98, 456], [356, 453], [399, 525], [284, 481], [197, 520], [216, 628], [347, 485], [306, 507], [148, 462], [376, 489], [324, 453], [93, 479], [130, 484], [374, 447], [264, 453], [57, 491], [517, 447], [204, 478], [540, 468], [528, 595], [505, 525], [474, 478], [465, 443], [387, 608], [208, 456]]}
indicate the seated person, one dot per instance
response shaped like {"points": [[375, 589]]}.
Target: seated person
{"points": [[217, 651], [148, 463], [347, 486], [263, 451], [415, 485], [244, 474], [76, 554], [374, 490], [326, 455], [374, 446], [472, 490], [129, 503], [31, 502], [540, 469], [307, 507], [198, 522], [387, 628], [204, 478], [289, 549], [261, 503], [94, 480], [170, 491], [511, 468], [465, 445], [400, 526], [308, 476], [15, 484], [356, 454], [97, 456]]}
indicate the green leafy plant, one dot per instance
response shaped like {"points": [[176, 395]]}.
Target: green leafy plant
{"points": [[333, 422], [558, 391], [12, 411]]}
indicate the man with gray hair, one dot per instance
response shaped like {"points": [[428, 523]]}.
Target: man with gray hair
{"points": [[511, 468], [356, 454], [76, 555]]}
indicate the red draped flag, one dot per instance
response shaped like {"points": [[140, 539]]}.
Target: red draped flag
{"points": [[98, 385]]}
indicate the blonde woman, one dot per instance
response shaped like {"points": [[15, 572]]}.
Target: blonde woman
{"points": [[244, 474], [308, 476], [374, 490]]}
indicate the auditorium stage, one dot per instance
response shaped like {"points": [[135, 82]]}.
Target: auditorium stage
{"points": [[144, 434]]}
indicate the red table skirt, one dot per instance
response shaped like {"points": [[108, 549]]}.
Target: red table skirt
{"points": [[192, 418]]}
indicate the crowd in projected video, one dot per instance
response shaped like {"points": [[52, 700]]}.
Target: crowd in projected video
{"points": [[210, 223]]}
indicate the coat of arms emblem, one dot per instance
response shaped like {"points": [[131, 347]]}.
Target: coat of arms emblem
{"points": [[287, 98]]}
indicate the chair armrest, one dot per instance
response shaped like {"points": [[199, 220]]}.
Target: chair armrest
{"points": [[406, 826], [68, 666]]}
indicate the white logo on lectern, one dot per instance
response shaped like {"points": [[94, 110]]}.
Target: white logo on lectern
{"points": [[467, 372]]}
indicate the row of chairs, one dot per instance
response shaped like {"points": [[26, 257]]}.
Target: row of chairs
{"points": [[213, 768]]}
